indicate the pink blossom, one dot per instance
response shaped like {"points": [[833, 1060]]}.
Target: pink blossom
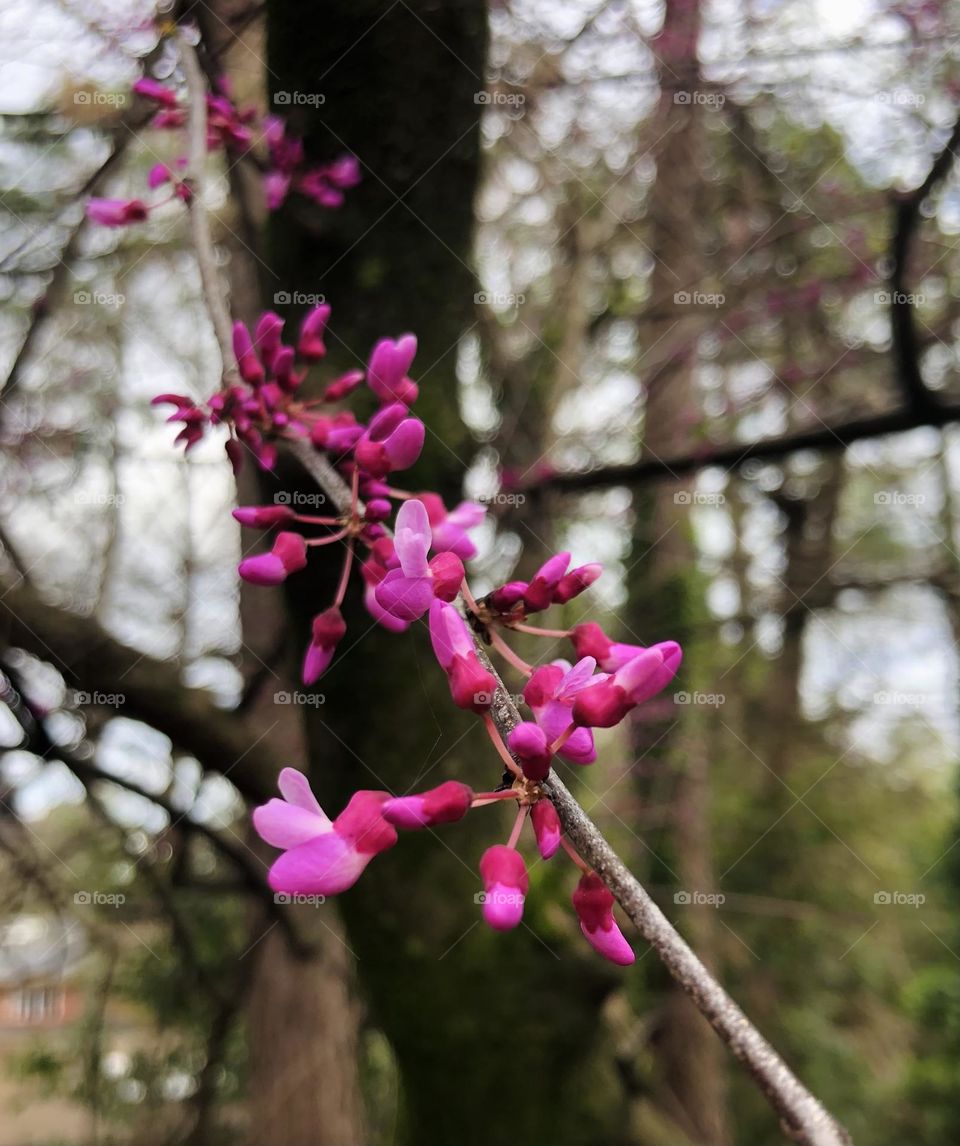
{"points": [[529, 743], [387, 369], [251, 369], [288, 555], [551, 692], [546, 827], [605, 704], [310, 344], [392, 441], [327, 631], [321, 857], [505, 883], [589, 640], [407, 592], [593, 903], [442, 805], [154, 90], [116, 212], [263, 516], [471, 686], [539, 592]]}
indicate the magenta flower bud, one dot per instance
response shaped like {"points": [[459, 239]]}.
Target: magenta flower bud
{"points": [[116, 212], [528, 742], [546, 827], [539, 594], [389, 362], [152, 89], [593, 903], [327, 632], [247, 361], [362, 823], [442, 805], [447, 572], [340, 387], [378, 509], [504, 598], [288, 555], [310, 344], [158, 174], [267, 335], [234, 451], [263, 516], [393, 441], [505, 884], [572, 584], [589, 640], [471, 686], [605, 704]]}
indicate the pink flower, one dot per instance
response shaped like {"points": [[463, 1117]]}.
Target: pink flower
{"points": [[263, 516], [505, 883], [310, 344], [327, 632], [593, 903], [320, 857], [605, 704], [387, 370], [551, 692], [529, 743], [393, 441], [572, 584], [152, 89], [539, 592], [546, 827], [442, 805], [288, 555], [471, 686], [116, 212], [407, 592], [450, 529], [249, 365]]}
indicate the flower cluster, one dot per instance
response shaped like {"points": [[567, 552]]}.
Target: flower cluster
{"points": [[237, 131], [412, 569]]}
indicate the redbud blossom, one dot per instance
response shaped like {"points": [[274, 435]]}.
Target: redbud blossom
{"points": [[551, 692], [248, 363], [116, 212], [406, 592], [546, 827], [606, 704], [288, 555], [450, 529], [154, 90], [387, 369], [442, 805], [529, 743], [321, 857], [310, 344], [263, 516], [589, 640], [539, 592], [393, 441], [327, 632], [505, 883], [593, 903], [572, 584], [471, 686]]}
